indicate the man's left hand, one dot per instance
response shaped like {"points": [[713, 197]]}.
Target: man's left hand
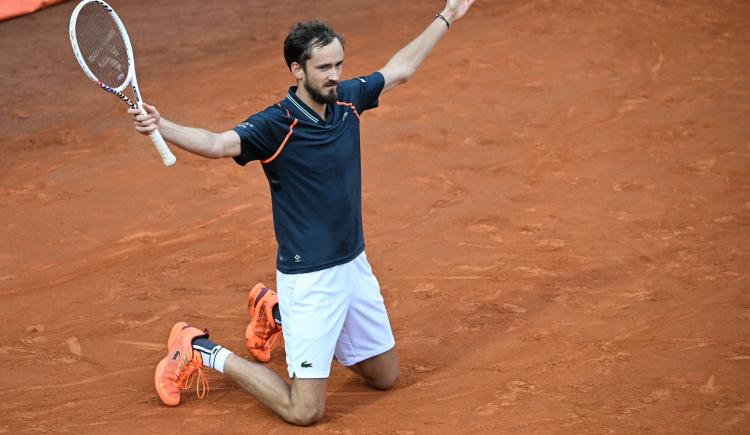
{"points": [[455, 9]]}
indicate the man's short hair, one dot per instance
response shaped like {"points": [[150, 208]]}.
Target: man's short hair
{"points": [[303, 37]]}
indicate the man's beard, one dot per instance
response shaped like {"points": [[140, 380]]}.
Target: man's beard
{"points": [[320, 97]]}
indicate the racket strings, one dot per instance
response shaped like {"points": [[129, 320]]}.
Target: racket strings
{"points": [[101, 45]]}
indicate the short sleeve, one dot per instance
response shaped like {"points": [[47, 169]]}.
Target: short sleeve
{"points": [[256, 139], [364, 91]]}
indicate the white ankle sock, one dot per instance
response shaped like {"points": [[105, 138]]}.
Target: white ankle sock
{"points": [[214, 357], [219, 356]]}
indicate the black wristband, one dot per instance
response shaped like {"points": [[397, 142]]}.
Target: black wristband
{"points": [[447, 23]]}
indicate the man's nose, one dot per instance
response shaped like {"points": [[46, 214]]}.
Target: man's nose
{"points": [[335, 74]]}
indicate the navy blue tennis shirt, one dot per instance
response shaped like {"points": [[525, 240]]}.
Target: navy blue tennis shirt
{"points": [[313, 167]]}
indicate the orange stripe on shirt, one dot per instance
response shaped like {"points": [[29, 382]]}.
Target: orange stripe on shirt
{"points": [[281, 147], [341, 103]]}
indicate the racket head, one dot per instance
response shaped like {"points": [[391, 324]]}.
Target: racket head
{"points": [[101, 45]]}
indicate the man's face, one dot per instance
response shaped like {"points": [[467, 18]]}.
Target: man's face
{"points": [[322, 72]]}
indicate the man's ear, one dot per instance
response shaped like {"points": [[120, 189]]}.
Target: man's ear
{"points": [[297, 71]]}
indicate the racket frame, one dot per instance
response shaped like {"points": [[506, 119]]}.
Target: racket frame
{"points": [[167, 157]]}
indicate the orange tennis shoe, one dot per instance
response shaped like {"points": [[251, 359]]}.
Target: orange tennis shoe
{"points": [[262, 332], [177, 371]]}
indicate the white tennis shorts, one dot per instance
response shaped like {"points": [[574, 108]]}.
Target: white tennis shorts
{"points": [[336, 311]]}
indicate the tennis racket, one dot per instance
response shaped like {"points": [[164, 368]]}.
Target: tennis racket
{"points": [[102, 48]]}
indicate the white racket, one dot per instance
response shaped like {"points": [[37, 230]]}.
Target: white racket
{"points": [[102, 48]]}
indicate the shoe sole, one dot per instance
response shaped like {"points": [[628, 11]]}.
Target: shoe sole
{"points": [[165, 398], [158, 373], [254, 296]]}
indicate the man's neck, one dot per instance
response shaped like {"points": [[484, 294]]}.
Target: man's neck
{"points": [[319, 108]]}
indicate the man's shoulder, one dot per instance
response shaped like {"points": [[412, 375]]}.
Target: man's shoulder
{"points": [[266, 122], [362, 81], [362, 91], [272, 114]]}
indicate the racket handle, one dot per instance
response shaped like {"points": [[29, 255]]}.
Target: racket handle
{"points": [[166, 155]]}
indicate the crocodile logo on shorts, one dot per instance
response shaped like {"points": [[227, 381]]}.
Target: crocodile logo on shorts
{"points": [[306, 365]]}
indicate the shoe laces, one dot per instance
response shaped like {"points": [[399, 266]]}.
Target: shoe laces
{"points": [[187, 375]]}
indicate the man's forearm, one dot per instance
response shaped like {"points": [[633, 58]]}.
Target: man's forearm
{"points": [[403, 65], [195, 140], [409, 58]]}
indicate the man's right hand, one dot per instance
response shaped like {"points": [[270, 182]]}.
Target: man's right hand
{"points": [[145, 123]]}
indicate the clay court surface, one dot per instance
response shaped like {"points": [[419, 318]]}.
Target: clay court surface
{"points": [[557, 207]]}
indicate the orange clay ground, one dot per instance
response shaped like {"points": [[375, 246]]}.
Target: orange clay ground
{"points": [[557, 207]]}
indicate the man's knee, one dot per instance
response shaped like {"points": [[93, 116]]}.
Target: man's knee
{"points": [[385, 380], [306, 415], [380, 372], [307, 403]]}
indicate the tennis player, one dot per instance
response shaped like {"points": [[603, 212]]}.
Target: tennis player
{"points": [[329, 301]]}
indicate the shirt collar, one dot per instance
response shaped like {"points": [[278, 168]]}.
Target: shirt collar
{"points": [[304, 110]]}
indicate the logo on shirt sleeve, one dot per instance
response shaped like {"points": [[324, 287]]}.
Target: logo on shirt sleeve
{"points": [[246, 125]]}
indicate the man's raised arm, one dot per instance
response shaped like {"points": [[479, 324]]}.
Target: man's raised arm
{"points": [[404, 64], [195, 140]]}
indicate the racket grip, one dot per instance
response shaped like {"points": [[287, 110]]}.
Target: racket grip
{"points": [[166, 155]]}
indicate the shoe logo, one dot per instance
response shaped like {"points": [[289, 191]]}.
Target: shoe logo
{"points": [[176, 356], [306, 365]]}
